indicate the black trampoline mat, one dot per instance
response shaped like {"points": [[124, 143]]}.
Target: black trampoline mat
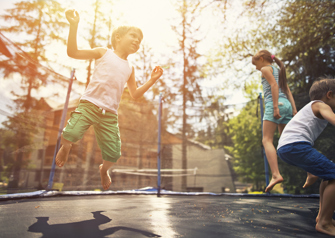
{"points": [[167, 216]]}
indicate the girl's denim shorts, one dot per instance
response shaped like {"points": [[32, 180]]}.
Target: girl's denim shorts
{"points": [[285, 110]]}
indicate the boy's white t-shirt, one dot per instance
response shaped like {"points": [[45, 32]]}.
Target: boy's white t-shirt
{"points": [[110, 75], [304, 126]]}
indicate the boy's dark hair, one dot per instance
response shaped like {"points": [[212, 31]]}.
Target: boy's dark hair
{"points": [[122, 30], [266, 55], [321, 87]]}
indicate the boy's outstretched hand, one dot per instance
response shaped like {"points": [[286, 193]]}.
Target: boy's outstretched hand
{"points": [[72, 16], [156, 73]]}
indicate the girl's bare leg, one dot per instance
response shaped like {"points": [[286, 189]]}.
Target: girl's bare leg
{"points": [[269, 129], [63, 152], [327, 208], [281, 128], [105, 178]]}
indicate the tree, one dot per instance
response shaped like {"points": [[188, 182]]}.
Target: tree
{"points": [[306, 29], [246, 134], [96, 38], [301, 34], [144, 65], [298, 32], [311, 54], [188, 34], [244, 130], [37, 22], [215, 134]]}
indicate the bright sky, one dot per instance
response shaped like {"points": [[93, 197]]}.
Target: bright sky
{"points": [[151, 16], [154, 17]]}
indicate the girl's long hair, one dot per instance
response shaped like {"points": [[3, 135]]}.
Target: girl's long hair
{"points": [[282, 73]]}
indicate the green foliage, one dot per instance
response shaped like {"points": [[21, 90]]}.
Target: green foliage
{"points": [[301, 33], [306, 29], [245, 131]]}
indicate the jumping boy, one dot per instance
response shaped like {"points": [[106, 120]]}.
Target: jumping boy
{"points": [[98, 106], [295, 147]]}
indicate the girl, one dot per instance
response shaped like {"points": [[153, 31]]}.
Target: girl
{"points": [[279, 107]]}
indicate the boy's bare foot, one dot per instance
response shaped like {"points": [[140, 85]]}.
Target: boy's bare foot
{"points": [[62, 155], [273, 182], [311, 179], [105, 178], [328, 229], [317, 220]]}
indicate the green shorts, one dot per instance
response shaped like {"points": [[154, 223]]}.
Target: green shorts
{"points": [[105, 125], [285, 110]]}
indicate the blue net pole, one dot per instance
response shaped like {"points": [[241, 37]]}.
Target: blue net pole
{"points": [[266, 165], [159, 146], [61, 125]]}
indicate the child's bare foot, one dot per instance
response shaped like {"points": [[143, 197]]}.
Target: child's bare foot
{"points": [[311, 179], [273, 182], [105, 178], [328, 229], [317, 220], [62, 155]]}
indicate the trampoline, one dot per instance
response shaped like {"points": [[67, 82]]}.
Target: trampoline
{"points": [[81, 214], [146, 215]]}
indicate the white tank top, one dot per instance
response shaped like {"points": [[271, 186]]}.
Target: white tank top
{"points": [[110, 75], [304, 126]]}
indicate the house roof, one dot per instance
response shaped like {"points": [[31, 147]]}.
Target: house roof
{"points": [[199, 144], [179, 141]]}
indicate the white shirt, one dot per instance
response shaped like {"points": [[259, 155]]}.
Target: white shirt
{"points": [[304, 126], [110, 75]]}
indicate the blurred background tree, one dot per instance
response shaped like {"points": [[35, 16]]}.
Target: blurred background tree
{"points": [[301, 34], [35, 24], [102, 19]]}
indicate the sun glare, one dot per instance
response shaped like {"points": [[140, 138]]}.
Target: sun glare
{"points": [[151, 16], [154, 17]]}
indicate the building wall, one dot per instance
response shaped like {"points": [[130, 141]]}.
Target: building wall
{"points": [[212, 174], [138, 130], [139, 151]]}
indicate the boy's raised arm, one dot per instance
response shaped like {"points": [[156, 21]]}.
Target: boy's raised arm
{"points": [[72, 50], [136, 92], [327, 113]]}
